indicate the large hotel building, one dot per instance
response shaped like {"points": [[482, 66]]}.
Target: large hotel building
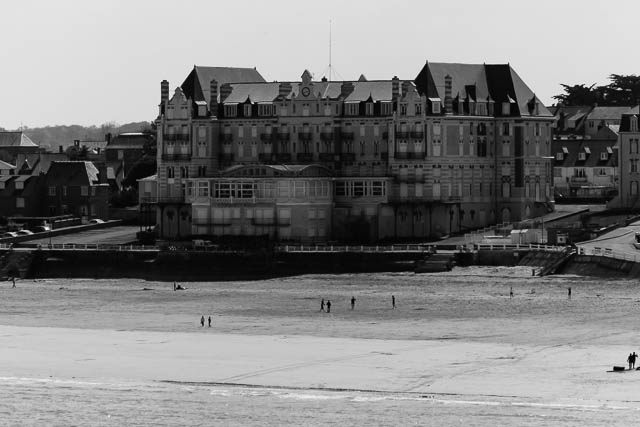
{"points": [[460, 147]]}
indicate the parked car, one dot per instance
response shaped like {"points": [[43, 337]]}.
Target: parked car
{"points": [[40, 228], [8, 235], [96, 221], [24, 232]]}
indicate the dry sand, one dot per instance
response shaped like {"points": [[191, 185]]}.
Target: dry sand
{"points": [[458, 333]]}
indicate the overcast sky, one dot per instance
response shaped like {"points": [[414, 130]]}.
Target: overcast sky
{"points": [[90, 62]]}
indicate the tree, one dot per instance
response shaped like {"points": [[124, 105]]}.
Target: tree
{"points": [[579, 95], [623, 90]]}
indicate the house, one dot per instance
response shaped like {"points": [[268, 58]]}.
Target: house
{"points": [[629, 160], [585, 169], [14, 143], [6, 168], [603, 122], [73, 187], [20, 194]]}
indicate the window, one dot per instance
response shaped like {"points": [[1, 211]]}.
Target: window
{"points": [[559, 156], [633, 146], [52, 190], [506, 129], [436, 129], [403, 109], [481, 109], [633, 124], [604, 156], [536, 130], [84, 190], [582, 156], [265, 109], [435, 106], [19, 202], [418, 109], [247, 110], [352, 108], [64, 191], [170, 173], [231, 110], [202, 171], [369, 109], [506, 109]]}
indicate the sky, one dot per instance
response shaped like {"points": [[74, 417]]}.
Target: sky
{"points": [[90, 62]]}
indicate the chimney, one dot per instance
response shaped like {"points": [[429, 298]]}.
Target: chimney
{"points": [[213, 97], [405, 88], [60, 149], [395, 88], [164, 91], [448, 101], [225, 91], [346, 88], [284, 89]]}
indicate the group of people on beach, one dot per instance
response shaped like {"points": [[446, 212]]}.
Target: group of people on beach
{"points": [[327, 304], [632, 360], [202, 321], [533, 292]]}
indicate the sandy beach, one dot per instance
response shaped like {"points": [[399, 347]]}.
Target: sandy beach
{"points": [[454, 339]]}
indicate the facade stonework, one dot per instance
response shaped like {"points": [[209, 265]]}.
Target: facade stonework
{"points": [[460, 147]]}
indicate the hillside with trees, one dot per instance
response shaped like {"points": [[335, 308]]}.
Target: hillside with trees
{"points": [[51, 137]]}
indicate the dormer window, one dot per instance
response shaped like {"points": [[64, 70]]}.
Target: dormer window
{"points": [[559, 156], [369, 108], [633, 124], [481, 109], [418, 109], [352, 108], [403, 109], [265, 110], [582, 156], [231, 110], [386, 108], [247, 110], [435, 105], [506, 109], [604, 156]]}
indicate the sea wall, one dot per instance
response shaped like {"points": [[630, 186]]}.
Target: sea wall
{"points": [[591, 265]]}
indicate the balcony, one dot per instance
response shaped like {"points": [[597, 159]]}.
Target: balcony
{"points": [[283, 157], [304, 157], [579, 179], [327, 157], [263, 221], [176, 137], [305, 136], [176, 157], [404, 155], [266, 157], [283, 136], [326, 136], [267, 137], [346, 135], [348, 157], [226, 137], [417, 134], [402, 135]]}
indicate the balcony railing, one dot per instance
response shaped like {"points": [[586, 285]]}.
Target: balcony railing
{"points": [[327, 157], [326, 136], [346, 135], [402, 135], [266, 157], [581, 179], [283, 136], [226, 137], [162, 200], [403, 155], [305, 136], [176, 137], [304, 157], [267, 137], [348, 157], [417, 134], [176, 156], [283, 157]]}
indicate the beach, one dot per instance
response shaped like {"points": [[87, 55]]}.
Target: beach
{"points": [[456, 348]]}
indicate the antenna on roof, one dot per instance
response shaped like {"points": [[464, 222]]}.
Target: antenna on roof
{"points": [[329, 70]]}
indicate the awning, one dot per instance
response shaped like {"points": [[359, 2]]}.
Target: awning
{"points": [[587, 150]]}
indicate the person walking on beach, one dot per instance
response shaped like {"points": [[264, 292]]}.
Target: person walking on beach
{"points": [[322, 305], [569, 293], [202, 321], [630, 360], [13, 279], [353, 302], [209, 321], [393, 302], [328, 306], [511, 292], [174, 286]]}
